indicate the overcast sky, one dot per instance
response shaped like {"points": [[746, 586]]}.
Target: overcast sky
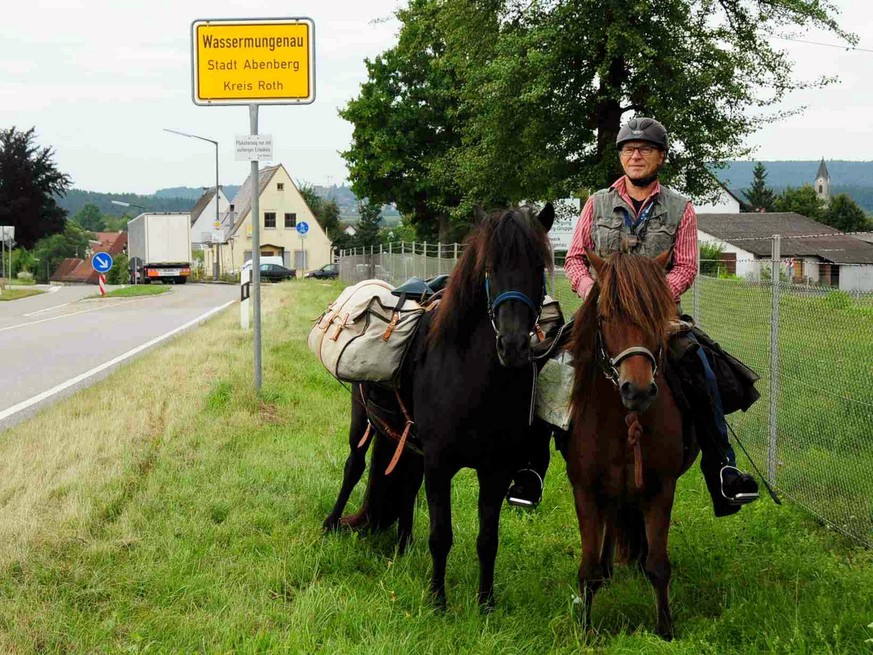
{"points": [[99, 79]]}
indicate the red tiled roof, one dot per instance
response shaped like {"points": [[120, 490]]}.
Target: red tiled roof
{"points": [[80, 270]]}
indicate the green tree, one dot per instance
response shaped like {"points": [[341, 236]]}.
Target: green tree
{"points": [[368, 225], [29, 184], [326, 212], [844, 214], [90, 218], [802, 200], [406, 119], [759, 195], [119, 274], [504, 100], [52, 250]]}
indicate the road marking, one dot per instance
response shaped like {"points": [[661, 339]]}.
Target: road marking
{"points": [[48, 309], [54, 318], [6, 413]]}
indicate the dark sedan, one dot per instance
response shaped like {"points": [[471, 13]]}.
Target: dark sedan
{"points": [[326, 272], [276, 273]]}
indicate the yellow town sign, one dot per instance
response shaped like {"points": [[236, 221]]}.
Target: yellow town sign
{"points": [[263, 61]]}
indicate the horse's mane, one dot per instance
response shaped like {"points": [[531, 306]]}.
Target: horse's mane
{"points": [[503, 238], [632, 289]]}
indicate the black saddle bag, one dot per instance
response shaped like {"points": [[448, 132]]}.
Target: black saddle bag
{"points": [[736, 381]]}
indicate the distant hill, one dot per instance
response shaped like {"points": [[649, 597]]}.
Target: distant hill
{"points": [[75, 199], [854, 178], [193, 193]]}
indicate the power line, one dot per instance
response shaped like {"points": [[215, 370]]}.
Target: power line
{"points": [[826, 45]]}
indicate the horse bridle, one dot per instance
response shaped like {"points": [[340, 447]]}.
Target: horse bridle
{"points": [[512, 295], [609, 365]]}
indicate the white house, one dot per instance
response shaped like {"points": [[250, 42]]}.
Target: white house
{"points": [[281, 208], [724, 203], [809, 251]]}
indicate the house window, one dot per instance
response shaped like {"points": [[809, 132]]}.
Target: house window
{"points": [[280, 186], [290, 220], [270, 220]]}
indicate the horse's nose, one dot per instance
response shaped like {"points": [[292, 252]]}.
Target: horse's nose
{"points": [[637, 398], [513, 349]]}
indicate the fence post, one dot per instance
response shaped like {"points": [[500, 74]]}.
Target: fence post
{"points": [[413, 259], [775, 256], [456, 252], [424, 260], [439, 258], [403, 258], [695, 309]]}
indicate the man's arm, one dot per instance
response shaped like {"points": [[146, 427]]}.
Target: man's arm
{"points": [[575, 264], [684, 270]]}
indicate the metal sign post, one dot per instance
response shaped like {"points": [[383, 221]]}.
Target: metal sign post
{"points": [[253, 62], [303, 230]]}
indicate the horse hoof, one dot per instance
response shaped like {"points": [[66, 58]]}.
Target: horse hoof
{"points": [[355, 521], [331, 524], [487, 604]]}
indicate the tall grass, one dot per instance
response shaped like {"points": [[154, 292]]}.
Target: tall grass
{"points": [[191, 523]]}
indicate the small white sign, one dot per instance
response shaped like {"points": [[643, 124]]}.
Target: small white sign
{"points": [[7, 233], [217, 236], [566, 217], [253, 147]]}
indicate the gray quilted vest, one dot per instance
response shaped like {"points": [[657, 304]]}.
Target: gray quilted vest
{"points": [[657, 234]]}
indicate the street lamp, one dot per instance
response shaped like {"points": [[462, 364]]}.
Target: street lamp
{"points": [[128, 204], [216, 267]]}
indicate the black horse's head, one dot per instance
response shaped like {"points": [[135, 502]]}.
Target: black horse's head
{"points": [[502, 273]]}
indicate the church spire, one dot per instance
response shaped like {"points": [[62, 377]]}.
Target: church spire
{"points": [[823, 182]]}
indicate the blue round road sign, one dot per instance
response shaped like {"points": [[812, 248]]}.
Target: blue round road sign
{"points": [[101, 262], [302, 227]]}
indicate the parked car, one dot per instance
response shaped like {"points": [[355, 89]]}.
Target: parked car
{"points": [[276, 273], [326, 272], [265, 259]]}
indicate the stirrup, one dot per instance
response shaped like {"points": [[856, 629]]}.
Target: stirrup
{"points": [[742, 498], [517, 501]]}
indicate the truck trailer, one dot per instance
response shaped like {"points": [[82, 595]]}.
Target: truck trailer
{"points": [[159, 247]]}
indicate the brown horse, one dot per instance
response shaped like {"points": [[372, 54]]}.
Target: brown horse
{"points": [[626, 448]]}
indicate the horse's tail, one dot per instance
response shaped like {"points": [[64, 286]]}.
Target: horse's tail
{"points": [[630, 536], [386, 495]]}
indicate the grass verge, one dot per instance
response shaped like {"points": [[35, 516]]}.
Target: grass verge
{"points": [[18, 294], [190, 522], [135, 290]]}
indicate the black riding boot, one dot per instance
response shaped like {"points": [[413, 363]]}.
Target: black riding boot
{"points": [[729, 487], [527, 485]]}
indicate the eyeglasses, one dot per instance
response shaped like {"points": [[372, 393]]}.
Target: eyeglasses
{"points": [[628, 150]]}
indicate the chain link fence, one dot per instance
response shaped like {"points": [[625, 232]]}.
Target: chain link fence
{"points": [[811, 433]]}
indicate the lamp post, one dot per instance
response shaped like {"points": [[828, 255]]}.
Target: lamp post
{"points": [[216, 267]]}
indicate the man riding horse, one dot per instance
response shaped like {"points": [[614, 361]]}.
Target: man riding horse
{"points": [[637, 214]]}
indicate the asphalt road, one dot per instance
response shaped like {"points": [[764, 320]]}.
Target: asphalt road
{"points": [[50, 344]]}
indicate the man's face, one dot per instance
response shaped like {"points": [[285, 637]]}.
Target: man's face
{"points": [[641, 159]]}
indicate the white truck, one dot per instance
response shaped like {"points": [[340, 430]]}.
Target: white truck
{"points": [[159, 247]]}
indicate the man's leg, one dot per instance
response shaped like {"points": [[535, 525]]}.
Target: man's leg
{"points": [[729, 487], [528, 481]]}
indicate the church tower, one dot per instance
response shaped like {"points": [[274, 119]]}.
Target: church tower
{"points": [[823, 182]]}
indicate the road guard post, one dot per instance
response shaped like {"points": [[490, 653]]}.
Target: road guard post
{"points": [[262, 61], [102, 263]]}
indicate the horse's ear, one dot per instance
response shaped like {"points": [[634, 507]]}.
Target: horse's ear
{"points": [[547, 216], [664, 258], [597, 262], [479, 214]]}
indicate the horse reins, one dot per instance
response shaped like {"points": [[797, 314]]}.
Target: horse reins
{"points": [[609, 366]]}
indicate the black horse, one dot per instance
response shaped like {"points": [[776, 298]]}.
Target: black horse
{"points": [[468, 384]]}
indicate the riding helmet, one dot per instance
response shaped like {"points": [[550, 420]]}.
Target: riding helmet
{"points": [[643, 129]]}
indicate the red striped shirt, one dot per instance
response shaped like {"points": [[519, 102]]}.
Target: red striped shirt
{"points": [[684, 270]]}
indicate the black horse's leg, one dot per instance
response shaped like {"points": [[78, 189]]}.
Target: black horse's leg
{"points": [[591, 530], [492, 488], [413, 472], [657, 517], [438, 485], [355, 465]]}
